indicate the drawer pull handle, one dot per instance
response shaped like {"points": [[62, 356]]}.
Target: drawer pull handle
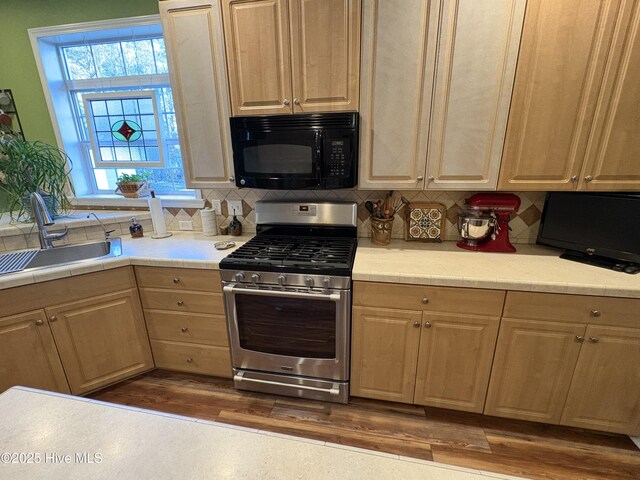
{"points": [[53, 318], [593, 340], [596, 313], [425, 300], [189, 360], [39, 323], [427, 324], [176, 280], [180, 303], [579, 338], [184, 329], [416, 324]]}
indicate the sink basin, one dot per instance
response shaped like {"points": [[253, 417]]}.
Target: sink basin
{"points": [[81, 252], [74, 253]]}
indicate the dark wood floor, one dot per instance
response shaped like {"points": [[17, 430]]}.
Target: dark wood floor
{"points": [[475, 441]]}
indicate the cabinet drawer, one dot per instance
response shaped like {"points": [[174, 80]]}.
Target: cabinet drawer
{"points": [[179, 278], [623, 312], [436, 299], [187, 327], [188, 357], [192, 302]]}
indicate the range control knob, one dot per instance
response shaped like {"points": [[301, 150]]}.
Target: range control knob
{"points": [[326, 282], [282, 280], [255, 278], [309, 282], [240, 277]]}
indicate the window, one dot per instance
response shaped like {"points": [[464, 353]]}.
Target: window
{"points": [[109, 86]]}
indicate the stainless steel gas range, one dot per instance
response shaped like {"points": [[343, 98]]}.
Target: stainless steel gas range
{"points": [[288, 300]]}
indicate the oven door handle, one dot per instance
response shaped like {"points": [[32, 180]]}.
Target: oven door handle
{"points": [[334, 390], [335, 297]]}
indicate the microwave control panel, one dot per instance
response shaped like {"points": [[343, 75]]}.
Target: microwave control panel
{"points": [[338, 158]]}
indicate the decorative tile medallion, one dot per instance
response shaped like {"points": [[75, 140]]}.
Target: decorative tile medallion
{"points": [[425, 221]]}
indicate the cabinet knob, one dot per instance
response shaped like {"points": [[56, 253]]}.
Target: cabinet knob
{"points": [[574, 178], [189, 360], [285, 101], [593, 340], [176, 280], [579, 338], [419, 178], [431, 178], [39, 323], [184, 329], [427, 324], [180, 303], [416, 324], [596, 313], [425, 300], [53, 318], [296, 101], [588, 178], [232, 179]]}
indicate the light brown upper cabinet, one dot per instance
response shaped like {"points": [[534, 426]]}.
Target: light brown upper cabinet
{"points": [[436, 82], [197, 69], [573, 121], [292, 56]]}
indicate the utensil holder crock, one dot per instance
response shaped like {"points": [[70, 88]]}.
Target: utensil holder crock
{"points": [[381, 230]]}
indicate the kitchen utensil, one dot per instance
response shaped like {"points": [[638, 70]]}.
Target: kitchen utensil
{"points": [[369, 206], [484, 222]]}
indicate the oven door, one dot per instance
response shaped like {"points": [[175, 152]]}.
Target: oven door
{"points": [[288, 331], [277, 159]]}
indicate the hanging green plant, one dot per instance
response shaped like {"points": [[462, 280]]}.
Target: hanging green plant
{"points": [[27, 167]]}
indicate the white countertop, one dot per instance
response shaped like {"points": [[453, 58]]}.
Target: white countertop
{"points": [[532, 268], [129, 443]]}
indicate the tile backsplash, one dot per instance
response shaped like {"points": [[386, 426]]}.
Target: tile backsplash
{"points": [[524, 225]]}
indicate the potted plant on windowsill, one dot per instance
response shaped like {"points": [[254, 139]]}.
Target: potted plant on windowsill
{"points": [[33, 166], [133, 185]]}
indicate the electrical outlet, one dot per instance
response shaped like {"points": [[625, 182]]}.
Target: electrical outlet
{"points": [[217, 206], [185, 225], [235, 205]]}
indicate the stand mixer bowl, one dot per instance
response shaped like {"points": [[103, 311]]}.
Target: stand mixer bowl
{"points": [[474, 226]]}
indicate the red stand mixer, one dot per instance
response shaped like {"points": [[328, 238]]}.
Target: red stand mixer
{"points": [[483, 222]]}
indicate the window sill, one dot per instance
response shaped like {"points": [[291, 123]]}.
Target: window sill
{"points": [[174, 201]]}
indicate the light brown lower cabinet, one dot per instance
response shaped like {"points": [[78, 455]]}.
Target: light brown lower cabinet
{"points": [[101, 340], [28, 355], [532, 369], [605, 390], [433, 359]]}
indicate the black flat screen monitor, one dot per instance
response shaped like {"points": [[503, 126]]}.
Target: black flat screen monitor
{"points": [[593, 224]]}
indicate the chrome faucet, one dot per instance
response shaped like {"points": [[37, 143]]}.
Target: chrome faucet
{"points": [[44, 219], [107, 233]]}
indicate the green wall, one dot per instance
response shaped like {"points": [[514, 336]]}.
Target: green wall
{"points": [[18, 69]]}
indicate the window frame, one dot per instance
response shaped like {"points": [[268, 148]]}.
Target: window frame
{"points": [[59, 91]]}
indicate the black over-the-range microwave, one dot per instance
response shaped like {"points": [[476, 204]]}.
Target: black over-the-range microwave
{"points": [[288, 152]]}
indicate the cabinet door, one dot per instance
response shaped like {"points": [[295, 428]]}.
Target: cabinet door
{"points": [[325, 54], [101, 340], [479, 41], [532, 369], [28, 355], [256, 35], [399, 40], [605, 391], [614, 148], [559, 73], [195, 54], [384, 350], [454, 363]]}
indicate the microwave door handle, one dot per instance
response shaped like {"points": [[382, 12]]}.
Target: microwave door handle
{"points": [[319, 156]]}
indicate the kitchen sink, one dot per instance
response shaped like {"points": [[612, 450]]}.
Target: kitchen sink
{"points": [[82, 252]]}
